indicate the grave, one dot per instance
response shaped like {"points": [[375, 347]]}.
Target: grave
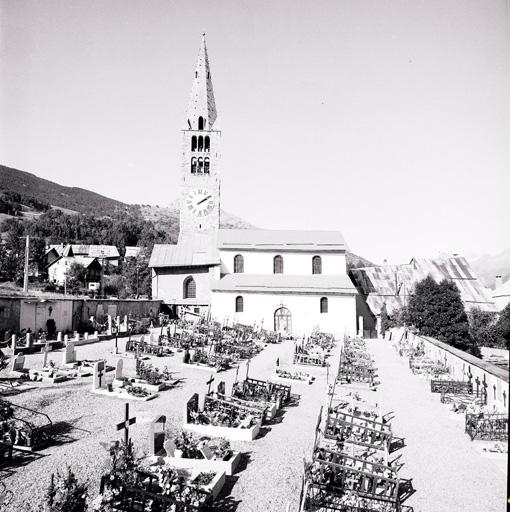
{"points": [[232, 421], [18, 366]]}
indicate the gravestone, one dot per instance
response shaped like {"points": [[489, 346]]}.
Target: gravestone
{"points": [[169, 447], [99, 377], [69, 355], [18, 363], [157, 435], [186, 358], [118, 369], [46, 350], [191, 406], [206, 452]]}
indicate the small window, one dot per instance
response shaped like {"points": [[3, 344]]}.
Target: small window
{"points": [[206, 165], [207, 143], [278, 265], [200, 165], [194, 143], [238, 264], [200, 143], [193, 165], [316, 265], [201, 123], [324, 304], [239, 304], [189, 288]]}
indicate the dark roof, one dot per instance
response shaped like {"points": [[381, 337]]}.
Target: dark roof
{"points": [[283, 283]]}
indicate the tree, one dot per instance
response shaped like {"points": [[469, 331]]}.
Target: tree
{"points": [[385, 320], [502, 328], [76, 276], [482, 327], [436, 310]]}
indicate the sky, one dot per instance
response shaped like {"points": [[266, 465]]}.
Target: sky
{"points": [[388, 120]]}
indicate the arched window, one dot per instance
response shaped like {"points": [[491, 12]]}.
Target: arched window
{"points": [[194, 143], [278, 265], [200, 143], [201, 123], [200, 165], [189, 289], [207, 143], [316, 265], [206, 165], [324, 304], [238, 264], [193, 165], [239, 304]]}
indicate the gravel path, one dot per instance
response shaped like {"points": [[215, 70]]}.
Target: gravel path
{"points": [[449, 472], [273, 463]]}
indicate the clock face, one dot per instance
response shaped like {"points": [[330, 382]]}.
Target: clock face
{"points": [[200, 201]]}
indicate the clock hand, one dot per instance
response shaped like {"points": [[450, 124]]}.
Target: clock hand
{"points": [[204, 200]]}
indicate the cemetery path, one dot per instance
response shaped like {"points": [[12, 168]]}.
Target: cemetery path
{"points": [[449, 471]]}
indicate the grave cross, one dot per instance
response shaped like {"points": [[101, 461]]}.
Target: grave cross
{"points": [[237, 371], [209, 382], [477, 380], [100, 373], [124, 425], [504, 398]]}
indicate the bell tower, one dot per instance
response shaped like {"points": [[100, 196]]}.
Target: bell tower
{"points": [[200, 185]]}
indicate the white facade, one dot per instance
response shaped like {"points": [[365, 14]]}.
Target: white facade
{"points": [[294, 263], [305, 310]]}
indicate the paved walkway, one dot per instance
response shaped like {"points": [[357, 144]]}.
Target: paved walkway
{"points": [[449, 472]]}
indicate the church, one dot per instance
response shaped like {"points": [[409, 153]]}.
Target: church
{"points": [[284, 280]]}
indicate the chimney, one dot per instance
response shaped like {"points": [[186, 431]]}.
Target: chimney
{"points": [[499, 282]]}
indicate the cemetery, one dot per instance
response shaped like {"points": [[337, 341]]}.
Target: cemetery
{"points": [[354, 461]]}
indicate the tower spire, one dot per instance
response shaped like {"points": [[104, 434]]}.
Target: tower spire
{"points": [[201, 103]]}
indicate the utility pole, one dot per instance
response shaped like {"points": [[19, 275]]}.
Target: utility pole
{"points": [[25, 273]]}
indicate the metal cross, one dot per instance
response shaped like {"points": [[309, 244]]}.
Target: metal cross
{"points": [[124, 425], [209, 382], [504, 398]]}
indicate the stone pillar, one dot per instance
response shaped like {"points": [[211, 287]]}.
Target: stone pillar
{"points": [[13, 343], [66, 339], [109, 330], [59, 336], [85, 335], [28, 340], [76, 336], [96, 334], [360, 326]]}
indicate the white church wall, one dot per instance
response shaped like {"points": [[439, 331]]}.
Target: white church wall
{"points": [[305, 310], [294, 263], [168, 284]]}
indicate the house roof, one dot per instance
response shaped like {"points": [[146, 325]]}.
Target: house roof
{"points": [[283, 283], [392, 284], [86, 261], [281, 240], [92, 251], [132, 251], [190, 251]]}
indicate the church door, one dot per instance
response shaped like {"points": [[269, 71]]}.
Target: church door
{"points": [[283, 321]]}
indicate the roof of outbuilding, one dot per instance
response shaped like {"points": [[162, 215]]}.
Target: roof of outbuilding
{"points": [[191, 251], [384, 284], [281, 240], [281, 283]]}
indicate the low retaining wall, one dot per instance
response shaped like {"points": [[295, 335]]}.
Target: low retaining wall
{"points": [[484, 375]]}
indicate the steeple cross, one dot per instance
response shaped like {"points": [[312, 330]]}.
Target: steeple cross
{"points": [[124, 425]]}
